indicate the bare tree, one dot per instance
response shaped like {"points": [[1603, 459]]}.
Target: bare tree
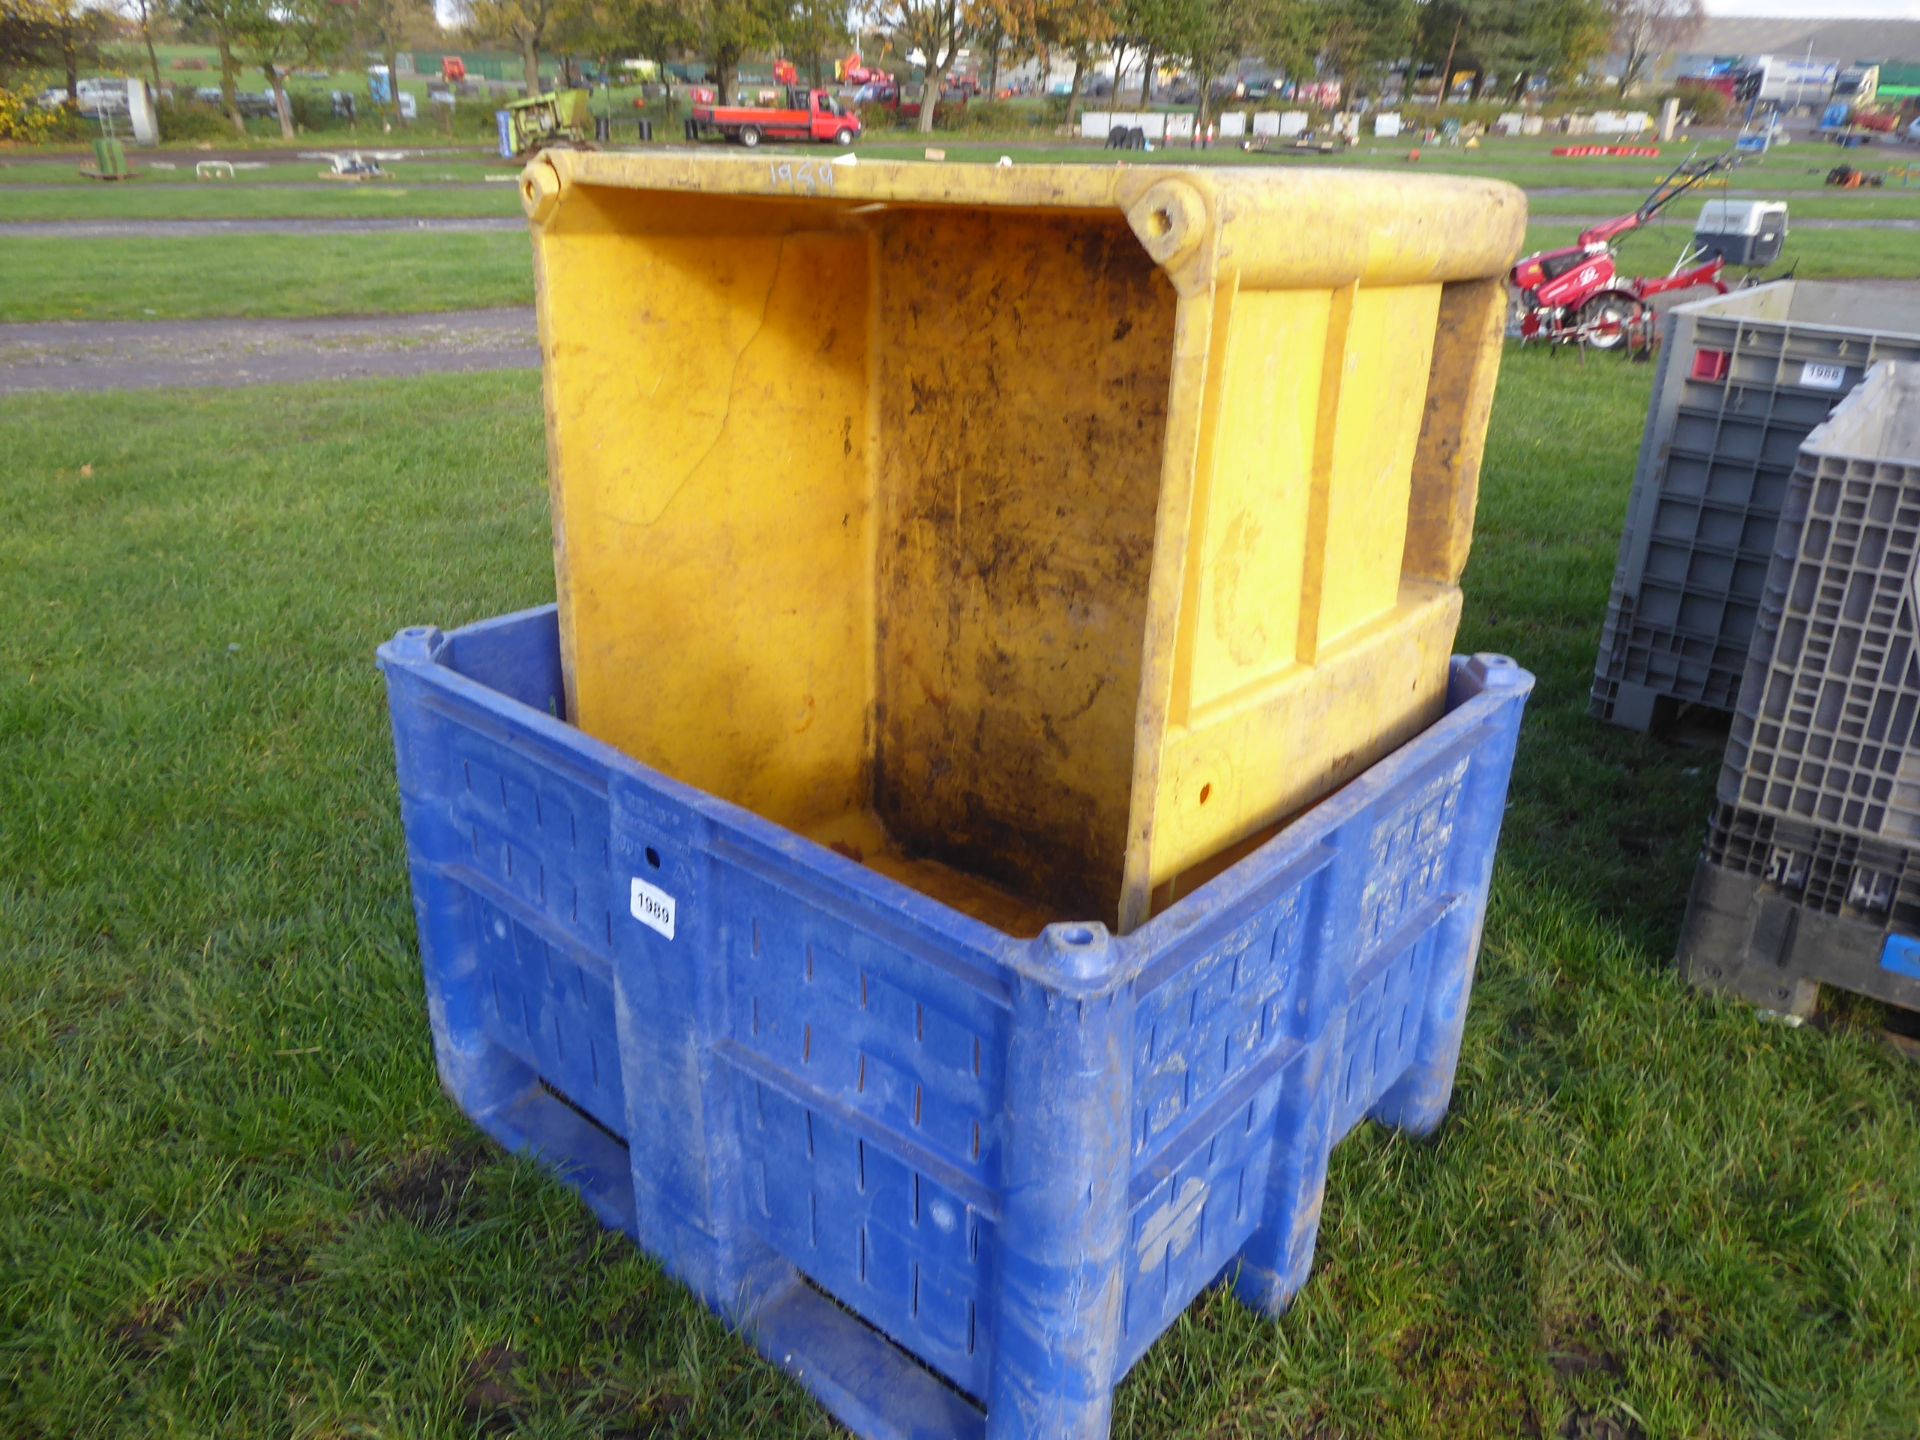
{"points": [[146, 15], [1646, 29]]}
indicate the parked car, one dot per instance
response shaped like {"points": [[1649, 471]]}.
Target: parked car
{"points": [[252, 107], [96, 96]]}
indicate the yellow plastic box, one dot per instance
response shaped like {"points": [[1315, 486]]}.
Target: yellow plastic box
{"points": [[1036, 535]]}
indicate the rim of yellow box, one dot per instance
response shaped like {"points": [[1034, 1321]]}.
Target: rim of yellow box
{"points": [[1265, 225]]}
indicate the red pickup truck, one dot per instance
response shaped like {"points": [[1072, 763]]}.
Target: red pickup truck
{"points": [[811, 115]]}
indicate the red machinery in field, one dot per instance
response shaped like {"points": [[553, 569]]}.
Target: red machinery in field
{"points": [[1576, 295]]}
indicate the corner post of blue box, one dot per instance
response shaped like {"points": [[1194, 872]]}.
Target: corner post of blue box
{"points": [[470, 1065], [1418, 1101], [1065, 1173]]}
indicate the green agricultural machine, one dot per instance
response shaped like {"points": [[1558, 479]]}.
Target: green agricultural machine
{"points": [[540, 121]]}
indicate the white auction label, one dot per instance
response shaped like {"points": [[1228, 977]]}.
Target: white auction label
{"points": [[1823, 377], [652, 907]]}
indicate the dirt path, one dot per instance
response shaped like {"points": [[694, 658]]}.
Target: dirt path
{"points": [[200, 229], [224, 353]]}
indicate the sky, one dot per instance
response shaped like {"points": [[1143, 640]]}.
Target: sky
{"points": [[1820, 9]]}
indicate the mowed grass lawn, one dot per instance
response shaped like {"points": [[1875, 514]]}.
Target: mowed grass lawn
{"points": [[138, 278], [141, 278], [1833, 205], [171, 170], [1884, 254], [369, 200], [233, 1201], [1524, 162], [146, 278]]}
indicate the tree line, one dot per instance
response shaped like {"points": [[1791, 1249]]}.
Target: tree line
{"points": [[1355, 43], [273, 38], [1502, 45]]}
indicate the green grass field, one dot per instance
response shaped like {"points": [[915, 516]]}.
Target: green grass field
{"points": [[265, 275], [1832, 205], [235, 1203], [111, 278], [169, 170], [1527, 162], [262, 202], [144, 277], [1818, 254]]}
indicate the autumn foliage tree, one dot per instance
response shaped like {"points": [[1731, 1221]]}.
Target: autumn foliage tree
{"points": [[225, 24], [54, 34], [280, 36], [1551, 39], [1359, 37], [727, 31], [813, 32], [523, 24], [1076, 27], [385, 27]]}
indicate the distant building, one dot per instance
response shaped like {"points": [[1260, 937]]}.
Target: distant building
{"points": [[1842, 42]]}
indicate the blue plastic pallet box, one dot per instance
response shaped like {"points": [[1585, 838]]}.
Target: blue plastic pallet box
{"points": [[954, 1182]]}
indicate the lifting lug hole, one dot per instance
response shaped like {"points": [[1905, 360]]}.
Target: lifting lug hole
{"points": [[653, 857]]}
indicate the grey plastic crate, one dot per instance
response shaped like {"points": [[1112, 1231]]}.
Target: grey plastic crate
{"points": [[1827, 726], [1741, 380], [1811, 871], [1779, 908], [1827, 871]]}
